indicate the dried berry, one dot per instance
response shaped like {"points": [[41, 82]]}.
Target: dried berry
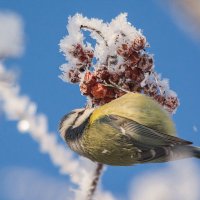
{"points": [[137, 75], [139, 43], [99, 91], [89, 78], [84, 57], [85, 89], [74, 76], [102, 74], [171, 103], [133, 58], [145, 63]]}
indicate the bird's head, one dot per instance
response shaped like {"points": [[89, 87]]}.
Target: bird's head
{"points": [[73, 124]]}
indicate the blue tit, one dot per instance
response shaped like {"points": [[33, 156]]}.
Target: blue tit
{"points": [[129, 130]]}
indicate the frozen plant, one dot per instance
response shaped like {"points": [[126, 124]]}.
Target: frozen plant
{"points": [[116, 64]]}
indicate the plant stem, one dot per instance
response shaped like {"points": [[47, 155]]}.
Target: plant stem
{"points": [[95, 181], [95, 30]]}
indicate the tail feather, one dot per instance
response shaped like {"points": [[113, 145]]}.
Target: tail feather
{"points": [[196, 151], [172, 153], [186, 151]]}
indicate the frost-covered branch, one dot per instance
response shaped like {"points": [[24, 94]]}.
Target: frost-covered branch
{"points": [[21, 109]]}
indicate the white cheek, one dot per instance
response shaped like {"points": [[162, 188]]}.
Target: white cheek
{"points": [[83, 117], [67, 124], [63, 131]]}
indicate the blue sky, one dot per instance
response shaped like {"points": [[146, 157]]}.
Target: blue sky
{"points": [[176, 57]]}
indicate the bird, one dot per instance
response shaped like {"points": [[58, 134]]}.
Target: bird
{"points": [[132, 129]]}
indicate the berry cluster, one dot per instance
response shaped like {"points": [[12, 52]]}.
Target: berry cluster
{"points": [[127, 67], [83, 62]]}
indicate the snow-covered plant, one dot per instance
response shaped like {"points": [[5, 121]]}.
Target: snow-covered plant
{"points": [[116, 64]]}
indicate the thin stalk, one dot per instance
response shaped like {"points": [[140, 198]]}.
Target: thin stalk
{"points": [[95, 30], [95, 181]]}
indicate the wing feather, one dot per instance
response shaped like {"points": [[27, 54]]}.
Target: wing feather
{"points": [[153, 146]]}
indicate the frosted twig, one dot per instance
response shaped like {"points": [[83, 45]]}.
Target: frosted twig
{"points": [[157, 82], [114, 85], [95, 181], [95, 30]]}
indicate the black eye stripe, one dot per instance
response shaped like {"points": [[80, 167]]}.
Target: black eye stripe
{"points": [[79, 114], [65, 117]]}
